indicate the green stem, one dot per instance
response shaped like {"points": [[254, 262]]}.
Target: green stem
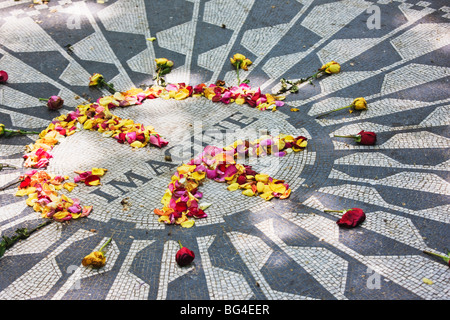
{"points": [[108, 85], [6, 166], [345, 136], [180, 244], [341, 211], [109, 240], [43, 99], [10, 185], [327, 113], [237, 72], [314, 75], [446, 258], [22, 131]]}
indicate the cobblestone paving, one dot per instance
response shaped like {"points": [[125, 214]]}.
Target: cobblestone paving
{"points": [[247, 248]]}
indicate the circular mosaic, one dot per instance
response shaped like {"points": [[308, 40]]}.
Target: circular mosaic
{"points": [[391, 53], [141, 175]]}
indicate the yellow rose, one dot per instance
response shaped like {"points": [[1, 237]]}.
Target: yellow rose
{"points": [[334, 68], [360, 104], [95, 259], [2, 129], [239, 57], [161, 61], [331, 67], [246, 62], [95, 79]]}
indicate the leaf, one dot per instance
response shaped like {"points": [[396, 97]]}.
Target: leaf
{"points": [[7, 241], [23, 233]]}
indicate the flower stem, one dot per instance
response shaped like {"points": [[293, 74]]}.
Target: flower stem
{"points": [[334, 211], [6, 166], [43, 99], [327, 113], [21, 131], [237, 72], [345, 136], [9, 185], [179, 242], [108, 85], [446, 258], [106, 243]]}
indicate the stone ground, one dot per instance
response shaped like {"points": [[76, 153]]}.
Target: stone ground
{"points": [[393, 53]]}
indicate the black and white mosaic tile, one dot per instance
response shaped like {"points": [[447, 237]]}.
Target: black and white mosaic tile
{"points": [[247, 248]]}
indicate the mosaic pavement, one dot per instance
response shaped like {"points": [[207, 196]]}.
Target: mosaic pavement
{"points": [[247, 248]]}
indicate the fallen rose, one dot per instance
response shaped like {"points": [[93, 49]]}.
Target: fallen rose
{"points": [[357, 104], [351, 217], [3, 76], [96, 259], [54, 102], [184, 256], [331, 67], [240, 61], [163, 66], [446, 258], [97, 80], [364, 137]]}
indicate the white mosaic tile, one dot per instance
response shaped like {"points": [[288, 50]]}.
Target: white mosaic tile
{"points": [[222, 284], [40, 278]]}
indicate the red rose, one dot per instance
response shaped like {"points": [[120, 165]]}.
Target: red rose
{"points": [[364, 137], [184, 256], [367, 138], [352, 218], [3, 76]]}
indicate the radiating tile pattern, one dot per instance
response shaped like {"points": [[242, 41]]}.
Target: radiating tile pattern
{"points": [[246, 248]]}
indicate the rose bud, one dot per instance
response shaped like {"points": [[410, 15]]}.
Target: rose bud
{"points": [[351, 218], [331, 67], [367, 138], [359, 104], [184, 256], [364, 137], [96, 259], [3, 76], [95, 79], [55, 103], [161, 61]]}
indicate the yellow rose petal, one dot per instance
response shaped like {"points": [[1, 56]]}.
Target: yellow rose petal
{"points": [[248, 192], [98, 171], [233, 186], [187, 224]]}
